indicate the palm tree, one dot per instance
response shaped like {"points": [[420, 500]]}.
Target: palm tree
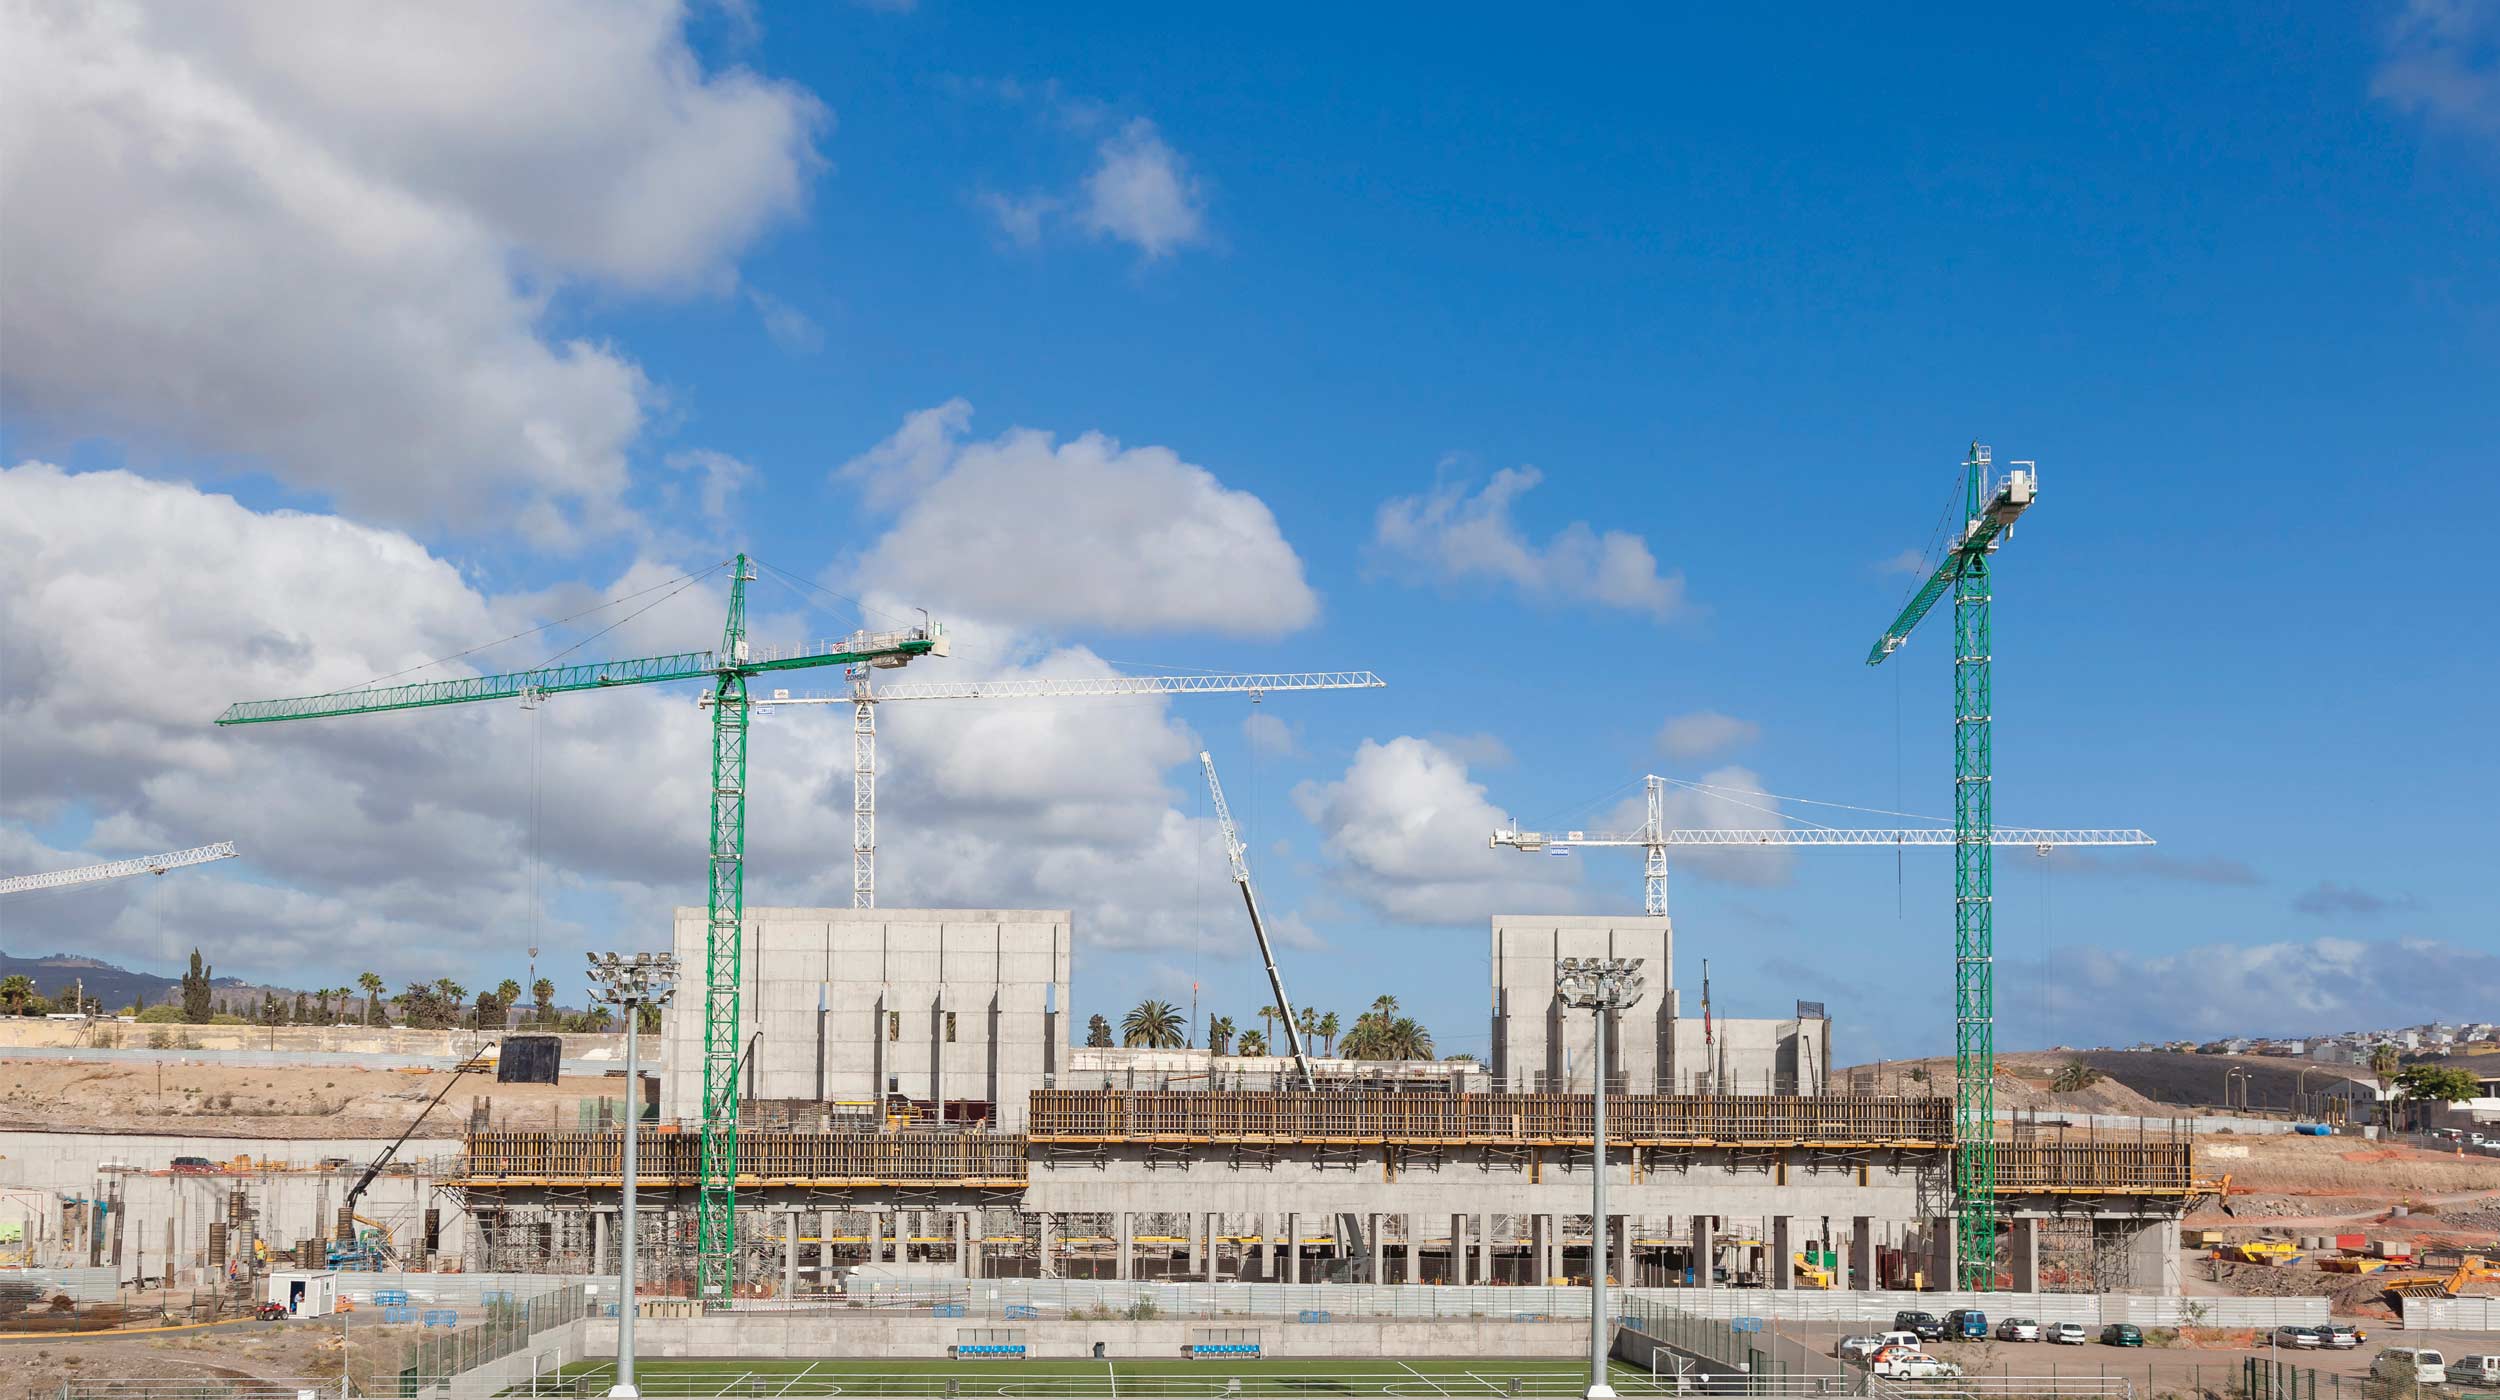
{"points": [[1328, 1032], [1268, 1017], [1252, 1043], [507, 996], [1220, 1034], [1153, 1025], [1384, 1006], [1306, 1021], [1409, 1040], [543, 993], [16, 990], [372, 984]]}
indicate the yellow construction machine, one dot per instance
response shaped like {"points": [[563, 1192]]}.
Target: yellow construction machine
{"points": [[2474, 1269], [2276, 1252]]}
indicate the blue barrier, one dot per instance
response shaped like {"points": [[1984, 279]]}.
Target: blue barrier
{"points": [[1744, 1324], [390, 1297], [1314, 1315], [493, 1296], [1011, 1351], [400, 1313], [1022, 1312], [946, 1310], [1202, 1349], [442, 1317]]}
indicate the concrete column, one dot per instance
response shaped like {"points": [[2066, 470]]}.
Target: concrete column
{"points": [[1263, 1225], [1783, 1270], [976, 1250], [2024, 1247], [1705, 1252], [1046, 1246], [1128, 1245], [824, 1249], [1623, 1251], [599, 1262], [1544, 1243], [1484, 1249], [1860, 1259], [1458, 1249], [1293, 1247], [1380, 1246], [2153, 1257], [876, 1237], [1941, 1233], [789, 1254], [1189, 1227], [1211, 1229]]}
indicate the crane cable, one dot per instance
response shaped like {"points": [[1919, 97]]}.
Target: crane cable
{"points": [[534, 631]]}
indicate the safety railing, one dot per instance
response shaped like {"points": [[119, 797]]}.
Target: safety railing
{"points": [[1379, 1116]]}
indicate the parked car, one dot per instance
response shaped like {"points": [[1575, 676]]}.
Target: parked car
{"points": [[1902, 1363], [2018, 1329], [2474, 1370], [2410, 1364], [193, 1166], [1966, 1325], [2341, 1336], [1901, 1339], [2122, 1334], [1858, 1348], [2295, 1336], [2068, 1334], [1925, 1324]]}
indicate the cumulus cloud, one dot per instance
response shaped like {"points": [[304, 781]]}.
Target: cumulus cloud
{"points": [[1028, 531], [1408, 829], [1477, 750], [1142, 193], [2442, 63], [1704, 733], [1452, 535], [272, 236], [2302, 987], [790, 328], [2328, 897], [1271, 735]]}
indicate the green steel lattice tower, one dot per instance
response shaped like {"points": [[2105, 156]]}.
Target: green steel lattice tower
{"points": [[728, 670], [1988, 517]]}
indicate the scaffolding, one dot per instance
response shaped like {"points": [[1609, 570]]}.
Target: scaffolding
{"points": [[1390, 1116], [668, 1157]]}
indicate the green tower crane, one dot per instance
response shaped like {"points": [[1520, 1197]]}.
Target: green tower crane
{"points": [[1989, 512], [727, 671]]}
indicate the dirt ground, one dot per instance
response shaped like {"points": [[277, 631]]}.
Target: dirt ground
{"points": [[36, 1369], [315, 1101]]}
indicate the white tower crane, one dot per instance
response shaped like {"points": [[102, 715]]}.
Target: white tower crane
{"points": [[864, 700], [116, 869], [1655, 836], [1258, 926]]}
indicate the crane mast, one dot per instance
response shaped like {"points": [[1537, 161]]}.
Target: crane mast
{"points": [[1258, 926], [1989, 512]]}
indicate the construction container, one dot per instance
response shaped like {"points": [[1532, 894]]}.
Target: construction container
{"points": [[2201, 1239], [2352, 1242], [2391, 1249]]}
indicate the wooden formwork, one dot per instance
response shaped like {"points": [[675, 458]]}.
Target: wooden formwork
{"points": [[1360, 1116], [2162, 1168], [765, 1158]]}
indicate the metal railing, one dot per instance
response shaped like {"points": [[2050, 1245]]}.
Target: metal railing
{"points": [[202, 1388], [504, 1328]]}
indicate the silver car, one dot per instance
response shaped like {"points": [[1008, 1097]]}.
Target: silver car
{"points": [[2298, 1337], [2067, 1334], [2019, 1329]]}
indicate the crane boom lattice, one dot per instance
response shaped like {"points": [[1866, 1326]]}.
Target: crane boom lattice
{"points": [[117, 869]]}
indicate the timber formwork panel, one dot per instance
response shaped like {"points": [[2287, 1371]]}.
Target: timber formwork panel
{"points": [[2095, 1169], [507, 1159], [1340, 1116]]}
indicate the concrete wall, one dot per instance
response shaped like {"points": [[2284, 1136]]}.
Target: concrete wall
{"points": [[1535, 1043], [35, 1033], [846, 1005], [829, 1335], [292, 1203]]}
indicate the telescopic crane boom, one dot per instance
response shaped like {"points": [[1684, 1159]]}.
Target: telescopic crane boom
{"points": [[1258, 926]]}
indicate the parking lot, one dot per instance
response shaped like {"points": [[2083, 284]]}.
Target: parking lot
{"points": [[2178, 1369]]}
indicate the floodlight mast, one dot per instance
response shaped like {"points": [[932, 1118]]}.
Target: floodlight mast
{"points": [[643, 979], [1604, 987]]}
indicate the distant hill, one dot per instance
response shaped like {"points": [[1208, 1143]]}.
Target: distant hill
{"points": [[114, 986]]}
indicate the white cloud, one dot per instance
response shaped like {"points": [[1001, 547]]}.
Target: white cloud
{"points": [[1409, 829], [1704, 733], [1271, 735], [2442, 62], [1142, 193], [790, 328], [1734, 799], [1477, 750], [1908, 561], [1031, 532], [275, 236], [1021, 217], [1450, 535], [718, 478], [2304, 987]]}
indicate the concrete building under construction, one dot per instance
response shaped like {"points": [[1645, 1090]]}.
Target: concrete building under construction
{"points": [[912, 1100]]}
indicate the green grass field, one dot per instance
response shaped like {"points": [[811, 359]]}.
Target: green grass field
{"points": [[1131, 1380]]}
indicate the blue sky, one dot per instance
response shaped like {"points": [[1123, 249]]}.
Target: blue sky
{"points": [[1576, 374]]}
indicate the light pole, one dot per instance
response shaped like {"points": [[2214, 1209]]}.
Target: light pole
{"points": [[1602, 986], [631, 982]]}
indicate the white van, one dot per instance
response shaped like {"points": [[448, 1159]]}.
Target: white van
{"points": [[2410, 1364]]}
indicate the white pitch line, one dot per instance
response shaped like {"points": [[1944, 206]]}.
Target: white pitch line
{"points": [[1410, 1370], [794, 1380]]}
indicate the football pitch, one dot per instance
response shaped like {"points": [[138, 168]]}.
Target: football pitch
{"points": [[1119, 1380]]}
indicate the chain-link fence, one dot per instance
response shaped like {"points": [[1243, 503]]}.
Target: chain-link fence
{"points": [[504, 1326]]}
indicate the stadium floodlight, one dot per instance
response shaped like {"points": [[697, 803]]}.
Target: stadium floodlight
{"points": [[631, 982], [1603, 987]]}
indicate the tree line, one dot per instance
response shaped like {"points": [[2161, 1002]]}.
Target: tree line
{"points": [[1381, 1033], [441, 1004]]}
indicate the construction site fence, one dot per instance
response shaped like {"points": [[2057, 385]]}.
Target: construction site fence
{"points": [[1755, 1353], [1873, 1306], [2453, 1314], [97, 1284], [1378, 1115], [665, 1153], [204, 1388], [461, 1292], [503, 1329]]}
